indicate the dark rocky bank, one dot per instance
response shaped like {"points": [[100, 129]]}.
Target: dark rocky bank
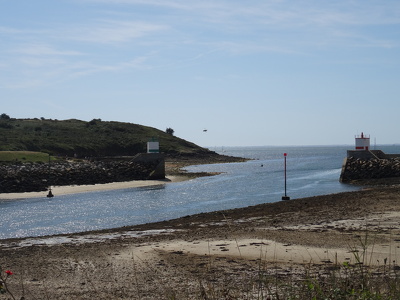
{"points": [[356, 169], [35, 177]]}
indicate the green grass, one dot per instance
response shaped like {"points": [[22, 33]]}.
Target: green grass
{"points": [[87, 139], [24, 156]]}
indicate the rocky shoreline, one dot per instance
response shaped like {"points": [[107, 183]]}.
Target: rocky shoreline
{"points": [[35, 177], [358, 169]]}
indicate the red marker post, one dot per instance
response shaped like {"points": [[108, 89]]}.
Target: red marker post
{"points": [[285, 197]]}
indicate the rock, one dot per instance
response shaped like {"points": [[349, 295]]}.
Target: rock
{"points": [[359, 169], [32, 177]]}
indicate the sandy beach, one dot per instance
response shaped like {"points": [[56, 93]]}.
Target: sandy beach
{"points": [[196, 257], [76, 189]]}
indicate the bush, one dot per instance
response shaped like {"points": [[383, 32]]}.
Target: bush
{"points": [[170, 131], [4, 116]]}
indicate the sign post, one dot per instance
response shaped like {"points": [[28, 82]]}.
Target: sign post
{"points": [[286, 197]]}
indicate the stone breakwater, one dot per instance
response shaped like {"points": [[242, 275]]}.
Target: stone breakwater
{"points": [[35, 177], [362, 169]]}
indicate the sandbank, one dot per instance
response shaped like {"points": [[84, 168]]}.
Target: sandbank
{"points": [[75, 189]]}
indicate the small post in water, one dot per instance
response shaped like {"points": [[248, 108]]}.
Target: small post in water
{"points": [[50, 194], [285, 197]]}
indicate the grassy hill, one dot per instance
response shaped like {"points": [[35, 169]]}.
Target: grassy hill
{"points": [[94, 138], [25, 156]]}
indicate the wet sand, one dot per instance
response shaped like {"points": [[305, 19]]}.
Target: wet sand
{"points": [[213, 252]]}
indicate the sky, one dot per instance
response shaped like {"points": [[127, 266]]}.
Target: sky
{"points": [[251, 73]]}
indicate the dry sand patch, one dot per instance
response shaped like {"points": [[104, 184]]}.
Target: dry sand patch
{"points": [[268, 251]]}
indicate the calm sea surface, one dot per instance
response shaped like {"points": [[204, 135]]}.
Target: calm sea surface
{"points": [[310, 171]]}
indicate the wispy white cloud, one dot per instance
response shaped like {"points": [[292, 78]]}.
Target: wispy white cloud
{"points": [[282, 11], [274, 25], [9, 30], [44, 50], [44, 57], [83, 68], [40, 61], [40, 72], [111, 31], [21, 84], [175, 4], [176, 31]]}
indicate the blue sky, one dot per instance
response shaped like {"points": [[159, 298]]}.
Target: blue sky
{"points": [[250, 72]]}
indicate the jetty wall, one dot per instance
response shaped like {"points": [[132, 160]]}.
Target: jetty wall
{"points": [[157, 160], [374, 164]]}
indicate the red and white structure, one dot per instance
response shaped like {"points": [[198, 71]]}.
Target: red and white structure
{"points": [[362, 142]]}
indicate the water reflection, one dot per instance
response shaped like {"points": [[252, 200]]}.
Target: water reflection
{"points": [[311, 171]]}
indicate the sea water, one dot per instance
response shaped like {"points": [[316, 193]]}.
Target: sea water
{"points": [[311, 171]]}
